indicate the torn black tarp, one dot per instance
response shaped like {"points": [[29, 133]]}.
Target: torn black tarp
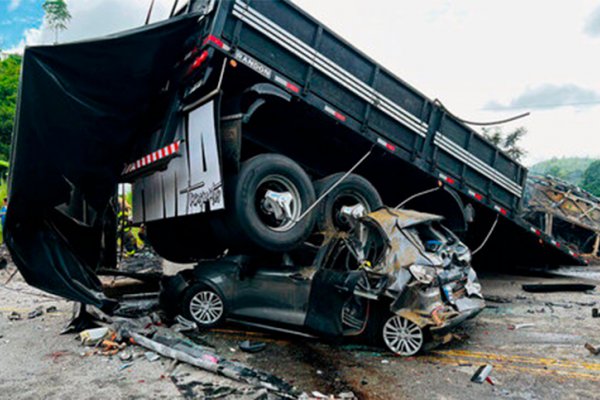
{"points": [[81, 105]]}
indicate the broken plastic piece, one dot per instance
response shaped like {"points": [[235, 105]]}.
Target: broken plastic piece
{"points": [[482, 374], [592, 349], [252, 347], [516, 327], [14, 316], [92, 337], [151, 356], [36, 313]]}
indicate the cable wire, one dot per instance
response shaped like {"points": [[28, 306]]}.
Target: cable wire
{"points": [[488, 236], [491, 123]]}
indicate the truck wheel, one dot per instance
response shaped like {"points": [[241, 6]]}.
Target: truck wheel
{"points": [[203, 305], [354, 191], [271, 193]]}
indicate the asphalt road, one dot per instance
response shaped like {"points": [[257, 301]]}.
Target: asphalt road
{"points": [[545, 360]]}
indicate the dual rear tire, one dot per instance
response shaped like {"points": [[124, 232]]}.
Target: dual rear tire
{"points": [[266, 210]]}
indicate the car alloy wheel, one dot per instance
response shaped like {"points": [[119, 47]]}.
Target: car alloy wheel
{"points": [[402, 336], [206, 307]]}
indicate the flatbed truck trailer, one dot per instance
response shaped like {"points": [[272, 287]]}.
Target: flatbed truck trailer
{"points": [[192, 110]]}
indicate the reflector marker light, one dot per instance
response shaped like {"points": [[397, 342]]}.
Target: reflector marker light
{"points": [[199, 60], [387, 145], [335, 113], [501, 210], [536, 231], [447, 179], [286, 84], [476, 195], [153, 157], [213, 39], [218, 42]]}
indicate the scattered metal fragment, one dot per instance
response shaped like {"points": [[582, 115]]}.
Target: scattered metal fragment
{"points": [[125, 356], [91, 337], [39, 311], [252, 347], [558, 287], [188, 352], [151, 356], [125, 366], [14, 316], [592, 349], [482, 374], [516, 327]]}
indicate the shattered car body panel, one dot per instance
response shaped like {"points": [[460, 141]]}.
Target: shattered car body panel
{"points": [[425, 267], [394, 262]]}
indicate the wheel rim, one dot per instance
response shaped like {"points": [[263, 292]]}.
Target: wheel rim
{"points": [[347, 199], [206, 307], [282, 186], [402, 336]]}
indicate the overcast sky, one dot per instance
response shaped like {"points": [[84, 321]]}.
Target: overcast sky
{"points": [[485, 60]]}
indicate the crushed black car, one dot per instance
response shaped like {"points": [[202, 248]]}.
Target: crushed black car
{"points": [[398, 278]]}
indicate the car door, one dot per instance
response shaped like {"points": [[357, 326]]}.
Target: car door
{"points": [[273, 293]]}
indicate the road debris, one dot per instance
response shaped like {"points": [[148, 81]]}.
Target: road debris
{"points": [[595, 313], [252, 347], [151, 356], [483, 374], [91, 337], [51, 309], [592, 349], [516, 327], [14, 316], [39, 311], [557, 287]]}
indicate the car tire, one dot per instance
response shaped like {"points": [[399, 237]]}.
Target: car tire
{"points": [[252, 221], [402, 336], [203, 305], [351, 191]]}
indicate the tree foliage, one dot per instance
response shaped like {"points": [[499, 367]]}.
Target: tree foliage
{"points": [[509, 142], [9, 85], [591, 178], [571, 169], [57, 15]]}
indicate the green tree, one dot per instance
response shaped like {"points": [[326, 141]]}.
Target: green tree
{"points": [[509, 142], [57, 16], [9, 85], [591, 178]]}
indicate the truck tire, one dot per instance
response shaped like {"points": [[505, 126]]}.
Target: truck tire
{"points": [[351, 191], [256, 220]]}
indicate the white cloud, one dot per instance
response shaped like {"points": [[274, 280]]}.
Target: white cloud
{"points": [[466, 53], [13, 5], [93, 18]]}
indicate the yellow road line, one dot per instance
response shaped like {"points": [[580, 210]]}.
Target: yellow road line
{"points": [[547, 362], [556, 373]]}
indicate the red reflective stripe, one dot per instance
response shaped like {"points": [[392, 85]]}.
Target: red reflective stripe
{"points": [[478, 196], [450, 180], [339, 116], [292, 87], [213, 39], [172, 148], [199, 60]]}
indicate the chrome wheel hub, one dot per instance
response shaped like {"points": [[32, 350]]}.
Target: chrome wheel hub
{"points": [[206, 307], [402, 336]]}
